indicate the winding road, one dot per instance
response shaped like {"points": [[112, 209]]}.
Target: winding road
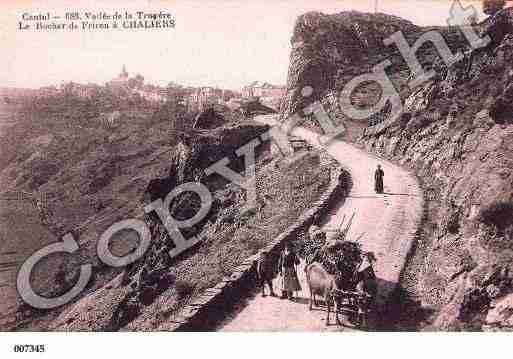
{"points": [[385, 224]]}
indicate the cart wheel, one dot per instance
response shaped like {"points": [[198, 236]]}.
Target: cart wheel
{"points": [[362, 317], [363, 320]]}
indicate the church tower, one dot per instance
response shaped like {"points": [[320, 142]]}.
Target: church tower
{"points": [[124, 73]]}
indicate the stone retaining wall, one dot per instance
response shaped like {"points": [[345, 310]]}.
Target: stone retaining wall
{"points": [[207, 311]]}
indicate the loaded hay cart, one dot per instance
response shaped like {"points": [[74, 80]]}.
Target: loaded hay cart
{"points": [[355, 305], [347, 267]]}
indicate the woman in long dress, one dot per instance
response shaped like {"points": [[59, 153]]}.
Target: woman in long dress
{"points": [[378, 179], [287, 268]]}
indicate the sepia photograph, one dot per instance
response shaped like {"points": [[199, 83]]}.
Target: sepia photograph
{"points": [[260, 166]]}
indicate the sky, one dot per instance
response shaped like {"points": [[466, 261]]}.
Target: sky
{"points": [[223, 43]]}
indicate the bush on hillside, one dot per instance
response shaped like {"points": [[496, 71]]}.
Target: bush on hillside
{"points": [[498, 214]]}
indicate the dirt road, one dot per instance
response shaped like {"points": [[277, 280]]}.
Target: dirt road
{"points": [[386, 223]]}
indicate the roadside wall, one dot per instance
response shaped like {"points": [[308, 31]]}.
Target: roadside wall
{"points": [[213, 305]]}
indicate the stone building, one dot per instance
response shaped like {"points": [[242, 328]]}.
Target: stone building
{"points": [[263, 89], [203, 97], [79, 90], [151, 93], [121, 81]]}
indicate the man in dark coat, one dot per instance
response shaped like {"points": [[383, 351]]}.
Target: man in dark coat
{"points": [[378, 179], [265, 273]]}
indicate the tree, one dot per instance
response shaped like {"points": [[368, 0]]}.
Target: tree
{"points": [[491, 7]]}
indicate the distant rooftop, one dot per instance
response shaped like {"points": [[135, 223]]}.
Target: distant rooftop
{"points": [[262, 84]]}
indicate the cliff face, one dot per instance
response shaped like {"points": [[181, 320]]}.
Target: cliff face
{"points": [[460, 142], [329, 50], [456, 132]]}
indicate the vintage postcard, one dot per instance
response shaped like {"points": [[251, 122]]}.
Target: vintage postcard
{"points": [[255, 166]]}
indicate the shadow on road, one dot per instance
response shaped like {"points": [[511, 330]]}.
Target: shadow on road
{"points": [[400, 312], [382, 195], [400, 194]]}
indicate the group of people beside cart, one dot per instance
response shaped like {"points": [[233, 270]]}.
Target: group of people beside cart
{"points": [[289, 262], [287, 270], [334, 268]]}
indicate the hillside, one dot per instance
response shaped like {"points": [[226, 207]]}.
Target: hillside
{"points": [[91, 173]]}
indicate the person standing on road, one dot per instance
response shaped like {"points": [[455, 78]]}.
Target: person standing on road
{"points": [[318, 237], [287, 268], [316, 233], [265, 273], [378, 179]]}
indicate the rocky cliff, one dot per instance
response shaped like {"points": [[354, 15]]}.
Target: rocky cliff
{"points": [[329, 50], [459, 139], [456, 132]]}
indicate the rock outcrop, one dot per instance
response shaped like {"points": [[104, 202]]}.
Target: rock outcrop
{"points": [[211, 117], [329, 50], [149, 277], [254, 107]]}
